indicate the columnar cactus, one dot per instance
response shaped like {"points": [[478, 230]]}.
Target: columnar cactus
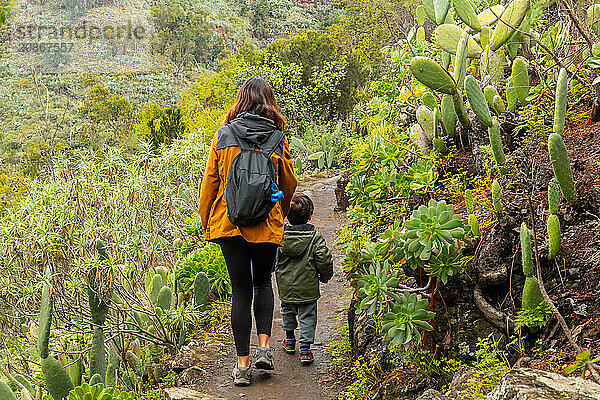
{"points": [[561, 165], [560, 104]]}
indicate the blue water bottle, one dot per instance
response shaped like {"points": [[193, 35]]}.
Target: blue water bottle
{"points": [[277, 194]]}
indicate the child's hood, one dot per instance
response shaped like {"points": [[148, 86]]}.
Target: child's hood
{"points": [[297, 239]]}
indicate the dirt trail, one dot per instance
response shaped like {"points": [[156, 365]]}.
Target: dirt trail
{"points": [[290, 380]]}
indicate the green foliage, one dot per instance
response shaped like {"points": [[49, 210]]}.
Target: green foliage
{"points": [[405, 320], [107, 109], [561, 165], [209, 260], [183, 34], [446, 264], [583, 360], [99, 392], [490, 366], [429, 230], [423, 175], [535, 318], [374, 288], [159, 125]]}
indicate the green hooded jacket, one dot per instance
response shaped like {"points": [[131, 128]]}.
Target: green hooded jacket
{"points": [[301, 263]]}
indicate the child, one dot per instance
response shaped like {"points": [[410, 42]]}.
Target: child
{"points": [[301, 263]]}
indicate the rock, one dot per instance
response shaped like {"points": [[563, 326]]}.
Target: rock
{"points": [[180, 393], [531, 384], [459, 382], [194, 354], [431, 394]]}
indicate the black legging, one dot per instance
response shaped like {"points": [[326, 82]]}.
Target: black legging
{"points": [[239, 254]]}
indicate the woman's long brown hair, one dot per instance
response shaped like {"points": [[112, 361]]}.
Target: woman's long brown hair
{"points": [[257, 97]]}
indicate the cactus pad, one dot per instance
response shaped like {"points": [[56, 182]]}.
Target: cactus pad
{"points": [[496, 142], [165, 297], [474, 224], [56, 379], [532, 296], [465, 11], [560, 104], [5, 392], [430, 74], [490, 15], [520, 79], [496, 195], [526, 257], [553, 196], [45, 319], [477, 101], [553, 229], [201, 290], [513, 15], [447, 37], [561, 165]]}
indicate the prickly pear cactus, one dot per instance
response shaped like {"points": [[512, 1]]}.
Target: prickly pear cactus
{"points": [[56, 379], [560, 104], [477, 101], [469, 201], [510, 19], [5, 392], [553, 196], [474, 224], [448, 115], [496, 143], [520, 79], [155, 286], [201, 290], [165, 297], [532, 296], [45, 318], [432, 75], [496, 196], [526, 256], [98, 354], [553, 229]]}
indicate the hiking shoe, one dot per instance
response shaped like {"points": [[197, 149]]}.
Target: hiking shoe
{"points": [[264, 358], [242, 376], [306, 357], [289, 346]]}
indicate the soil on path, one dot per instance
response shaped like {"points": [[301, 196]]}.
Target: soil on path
{"points": [[290, 380]]}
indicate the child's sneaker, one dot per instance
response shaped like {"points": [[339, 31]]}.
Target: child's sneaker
{"points": [[289, 346], [264, 358], [306, 357], [242, 376]]}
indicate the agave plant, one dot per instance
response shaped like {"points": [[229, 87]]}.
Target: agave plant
{"points": [[374, 288], [448, 263], [98, 392], [401, 325], [430, 230]]}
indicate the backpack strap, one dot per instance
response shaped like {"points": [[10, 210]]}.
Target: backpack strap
{"points": [[272, 142]]}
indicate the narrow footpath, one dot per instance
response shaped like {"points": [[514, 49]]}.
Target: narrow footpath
{"points": [[290, 380]]}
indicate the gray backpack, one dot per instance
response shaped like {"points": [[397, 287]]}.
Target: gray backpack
{"points": [[251, 181]]}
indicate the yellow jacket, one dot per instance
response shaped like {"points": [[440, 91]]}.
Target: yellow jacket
{"points": [[213, 209]]}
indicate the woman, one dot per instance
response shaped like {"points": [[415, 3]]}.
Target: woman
{"points": [[249, 251]]}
